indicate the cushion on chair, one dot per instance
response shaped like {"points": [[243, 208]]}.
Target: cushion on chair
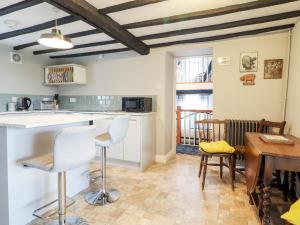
{"points": [[293, 215], [44, 162], [103, 140], [216, 147]]}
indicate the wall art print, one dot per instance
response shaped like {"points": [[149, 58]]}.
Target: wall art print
{"points": [[273, 69], [248, 62]]}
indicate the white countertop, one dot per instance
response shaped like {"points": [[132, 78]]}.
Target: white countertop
{"points": [[32, 119]]}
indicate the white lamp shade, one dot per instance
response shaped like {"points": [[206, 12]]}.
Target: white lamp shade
{"points": [[55, 40]]}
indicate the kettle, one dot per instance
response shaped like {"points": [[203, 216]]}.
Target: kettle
{"points": [[24, 103]]}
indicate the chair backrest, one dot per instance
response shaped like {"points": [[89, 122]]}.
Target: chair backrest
{"points": [[73, 147], [266, 126], [211, 130], [118, 129]]}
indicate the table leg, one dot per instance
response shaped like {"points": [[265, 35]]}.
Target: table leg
{"points": [[285, 185], [292, 191], [266, 220]]}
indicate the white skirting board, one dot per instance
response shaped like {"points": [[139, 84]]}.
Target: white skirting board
{"points": [[165, 158]]}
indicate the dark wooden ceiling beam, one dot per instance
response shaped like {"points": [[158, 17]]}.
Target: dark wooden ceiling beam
{"points": [[185, 17], [18, 6], [207, 13], [111, 9], [35, 28], [73, 35], [77, 47], [127, 5], [88, 13], [224, 36], [246, 22], [91, 53], [197, 40], [239, 23]]}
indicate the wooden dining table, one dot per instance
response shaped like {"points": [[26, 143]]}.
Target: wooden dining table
{"points": [[261, 159]]}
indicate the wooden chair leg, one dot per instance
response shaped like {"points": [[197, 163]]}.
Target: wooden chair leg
{"points": [[231, 171], [201, 165], [234, 166], [204, 171], [221, 167]]}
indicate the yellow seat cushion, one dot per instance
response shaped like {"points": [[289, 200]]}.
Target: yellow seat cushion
{"points": [[216, 147], [293, 215]]}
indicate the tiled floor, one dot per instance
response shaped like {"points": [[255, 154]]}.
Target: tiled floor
{"points": [[170, 194]]}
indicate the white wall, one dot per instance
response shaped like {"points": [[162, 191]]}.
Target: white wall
{"points": [[265, 99], [130, 74], [26, 78], [293, 102]]}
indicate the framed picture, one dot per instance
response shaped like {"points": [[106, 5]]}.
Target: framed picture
{"points": [[273, 69], [248, 62]]}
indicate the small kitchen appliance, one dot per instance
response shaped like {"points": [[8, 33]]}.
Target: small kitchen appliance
{"points": [[136, 104], [23, 103]]}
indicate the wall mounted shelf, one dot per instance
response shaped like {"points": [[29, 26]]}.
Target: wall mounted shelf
{"points": [[65, 74]]}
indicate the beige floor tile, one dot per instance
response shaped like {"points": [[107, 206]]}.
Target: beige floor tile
{"points": [[170, 194]]}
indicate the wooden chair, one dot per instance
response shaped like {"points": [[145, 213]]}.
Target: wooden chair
{"points": [[266, 126], [210, 131]]}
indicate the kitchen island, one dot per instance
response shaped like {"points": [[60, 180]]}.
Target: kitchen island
{"points": [[23, 190], [28, 134]]}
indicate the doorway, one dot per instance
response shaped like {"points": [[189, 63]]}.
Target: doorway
{"points": [[194, 98]]}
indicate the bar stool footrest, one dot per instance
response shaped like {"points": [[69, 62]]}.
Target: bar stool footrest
{"points": [[70, 220], [44, 214]]}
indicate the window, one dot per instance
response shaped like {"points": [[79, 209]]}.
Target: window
{"points": [[194, 69]]}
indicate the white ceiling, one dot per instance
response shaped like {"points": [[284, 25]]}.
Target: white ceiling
{"points": [[169, 8], [44, 12], [7, 3], [31, 16]]}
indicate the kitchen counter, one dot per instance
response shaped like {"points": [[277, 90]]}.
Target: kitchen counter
{"points": [[24, 136], [32, 119], [77, 111], [43, 120], [28, 134]]}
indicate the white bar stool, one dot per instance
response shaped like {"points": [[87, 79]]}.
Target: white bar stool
{"points": [[116, 133], [73, 147]]}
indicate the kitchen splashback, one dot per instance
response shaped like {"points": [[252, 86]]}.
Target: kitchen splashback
{"points": [[82, 102], [97, 102], [5, 98]]}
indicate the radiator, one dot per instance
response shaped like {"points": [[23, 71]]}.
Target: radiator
{"points": [[236, 129]]}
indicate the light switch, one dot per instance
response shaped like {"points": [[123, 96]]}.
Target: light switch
{"points": [[72, 100]]}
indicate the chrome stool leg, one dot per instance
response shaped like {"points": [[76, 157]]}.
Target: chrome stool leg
{"points": [[62, 218], [103, 196]]}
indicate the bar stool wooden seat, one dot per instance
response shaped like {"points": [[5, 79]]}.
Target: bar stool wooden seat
{"points": [[211, 130], [73, 147], [116, 133]]}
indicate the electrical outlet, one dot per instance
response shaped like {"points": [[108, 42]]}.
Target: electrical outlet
{"points": [[72, 100]]}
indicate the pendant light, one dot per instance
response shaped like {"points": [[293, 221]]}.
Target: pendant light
{"points": [[55, 39]]}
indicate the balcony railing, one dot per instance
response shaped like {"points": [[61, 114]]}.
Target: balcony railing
{"points": [[187, 130]]}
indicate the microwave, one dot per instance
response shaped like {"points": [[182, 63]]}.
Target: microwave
{"points": [[136, 104]]}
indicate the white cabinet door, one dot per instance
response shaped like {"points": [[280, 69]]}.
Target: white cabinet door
{"points": [[132, 151], [115, 151]]}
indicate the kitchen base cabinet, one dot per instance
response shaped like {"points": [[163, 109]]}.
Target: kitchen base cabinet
{"points": [[116, 151], [138, 148], [132, 144]]}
